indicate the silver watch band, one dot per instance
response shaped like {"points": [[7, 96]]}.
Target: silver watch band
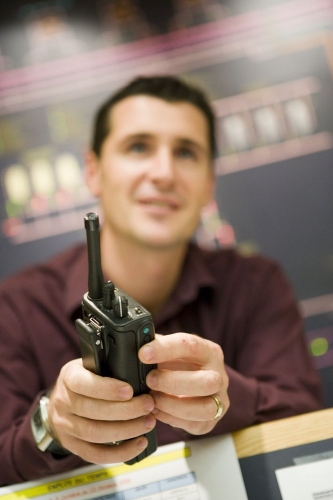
{"points": [[41, 429]]}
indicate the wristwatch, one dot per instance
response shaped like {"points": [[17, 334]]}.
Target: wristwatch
{"points": [[41, 429]]}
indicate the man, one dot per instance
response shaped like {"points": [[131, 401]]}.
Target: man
{"points": [[229, 333]]}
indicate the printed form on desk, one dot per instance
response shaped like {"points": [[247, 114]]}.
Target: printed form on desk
{"points": [[203, 469], [311, 481]]}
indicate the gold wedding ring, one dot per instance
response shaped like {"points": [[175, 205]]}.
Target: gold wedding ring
{"points": [[219, 407]]}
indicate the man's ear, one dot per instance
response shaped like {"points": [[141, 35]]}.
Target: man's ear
{"points": [[93, 173]]}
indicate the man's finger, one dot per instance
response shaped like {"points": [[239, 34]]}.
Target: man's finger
{"points": [[81, 381], [188, 347], [191, 383], [106, 432], [98, 409], [200, 409], [102, 454]]}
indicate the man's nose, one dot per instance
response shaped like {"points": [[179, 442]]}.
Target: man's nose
{"points": [[162, 168]]}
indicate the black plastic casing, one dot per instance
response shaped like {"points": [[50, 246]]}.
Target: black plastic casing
{"points": [[116, 341], [109, 343], [109, 347]]}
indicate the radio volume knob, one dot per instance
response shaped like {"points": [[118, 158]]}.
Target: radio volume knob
{"points": [[108, 294], [120, 306]]}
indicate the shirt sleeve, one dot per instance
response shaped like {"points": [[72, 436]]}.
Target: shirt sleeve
{"points": [[273, 375], [21, 386]]}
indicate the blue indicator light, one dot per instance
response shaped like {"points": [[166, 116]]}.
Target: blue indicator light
{"points": [[146, 330]]}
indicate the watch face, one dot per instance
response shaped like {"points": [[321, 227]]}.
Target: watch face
{"points": [[38, 427], [42, 438]]}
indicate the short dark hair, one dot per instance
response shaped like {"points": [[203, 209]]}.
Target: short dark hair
{"points": [[168, 88]]}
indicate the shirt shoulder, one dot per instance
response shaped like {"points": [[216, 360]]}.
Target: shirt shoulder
{"points": [[45, 279], [230, 262], [247, 278]]}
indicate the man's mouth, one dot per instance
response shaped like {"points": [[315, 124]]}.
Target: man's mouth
{"points": [[172, 205]]}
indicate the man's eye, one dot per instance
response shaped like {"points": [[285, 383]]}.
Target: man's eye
{"points": [[138, 147], [186, 153]]}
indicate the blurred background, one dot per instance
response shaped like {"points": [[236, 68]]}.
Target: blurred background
{"points": [[268, 68]]}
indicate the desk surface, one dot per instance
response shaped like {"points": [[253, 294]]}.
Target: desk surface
{"points": [[285, 433]]}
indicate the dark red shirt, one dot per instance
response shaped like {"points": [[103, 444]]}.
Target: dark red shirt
{"points": [[244, 304]]}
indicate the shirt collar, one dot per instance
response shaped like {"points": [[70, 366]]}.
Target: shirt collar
{"points": [[195, 275]]}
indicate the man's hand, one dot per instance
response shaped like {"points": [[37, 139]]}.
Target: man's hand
{"points": [[86, 411], [191, 370]]}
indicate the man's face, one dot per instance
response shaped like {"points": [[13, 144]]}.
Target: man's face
{"points": [[154, 175]]}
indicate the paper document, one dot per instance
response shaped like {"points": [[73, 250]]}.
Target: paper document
{"points": [[311, 481], [205, 469]]}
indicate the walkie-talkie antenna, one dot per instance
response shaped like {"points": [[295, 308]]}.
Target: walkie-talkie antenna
{"points": [[95, 273]]}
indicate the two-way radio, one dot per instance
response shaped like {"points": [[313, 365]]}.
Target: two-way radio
{"points": [[113, 329]]}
